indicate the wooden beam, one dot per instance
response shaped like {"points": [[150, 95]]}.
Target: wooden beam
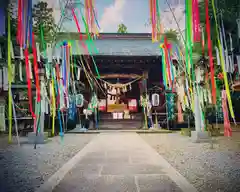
{"points": [[123, 76]]}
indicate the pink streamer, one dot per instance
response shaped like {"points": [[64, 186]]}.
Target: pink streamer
{"points": [[196, 21], [180, 114], [227, 126]]}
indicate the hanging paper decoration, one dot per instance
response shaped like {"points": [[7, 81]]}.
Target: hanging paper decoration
{"points": [[170, 102]]}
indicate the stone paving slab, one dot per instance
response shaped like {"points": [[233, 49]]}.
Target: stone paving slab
{"points": [[156, 183], [119, 162], [133, 169], [97, 184]]}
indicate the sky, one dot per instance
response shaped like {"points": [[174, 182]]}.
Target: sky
{"points": [[132, 13]]}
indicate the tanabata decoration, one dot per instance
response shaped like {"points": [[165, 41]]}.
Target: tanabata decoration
{"points": [[60, 73]]}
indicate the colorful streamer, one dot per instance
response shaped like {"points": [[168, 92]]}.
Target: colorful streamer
{"points": [[213, 86]]}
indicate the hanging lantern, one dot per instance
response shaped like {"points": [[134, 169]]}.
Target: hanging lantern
{"points": [[155, 99]]}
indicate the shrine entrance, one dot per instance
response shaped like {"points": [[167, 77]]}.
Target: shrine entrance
{"points": [[122, 81]]}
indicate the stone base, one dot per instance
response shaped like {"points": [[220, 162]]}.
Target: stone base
{"points": [[39, 139], [200, 137]]}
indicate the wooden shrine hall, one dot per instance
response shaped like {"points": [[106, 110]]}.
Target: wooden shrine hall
{"points": [[121, 65]]}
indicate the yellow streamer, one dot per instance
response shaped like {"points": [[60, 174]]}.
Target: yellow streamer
{"points": [[9, 83], [53, 106]]}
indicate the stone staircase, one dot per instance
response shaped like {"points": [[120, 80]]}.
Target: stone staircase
{"points": [[106, 122]]}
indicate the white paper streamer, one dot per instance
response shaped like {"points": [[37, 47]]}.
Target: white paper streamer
{"points": [[231, 65], [227, 62], [13, 72], [12, 51], [38, 52], [30, 70], [21, 53], [78, 73], [238, 63], [20, 71], [49, 52], [238, 23], [218, 56], [231, 44], [61, 96]]}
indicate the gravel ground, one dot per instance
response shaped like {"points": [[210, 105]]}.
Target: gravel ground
{"points": [[209, 169], [23, 168]]}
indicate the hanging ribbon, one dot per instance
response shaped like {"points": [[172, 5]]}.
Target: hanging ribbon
{"points": [[210, 52], [9, 82]]}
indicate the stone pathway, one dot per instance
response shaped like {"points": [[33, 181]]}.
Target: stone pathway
{"points": [[121, 162]]}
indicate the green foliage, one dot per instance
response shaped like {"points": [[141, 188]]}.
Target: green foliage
{"points": [[43, 19], [12, 9], [172, 36], [229, 11], [122, 28]]}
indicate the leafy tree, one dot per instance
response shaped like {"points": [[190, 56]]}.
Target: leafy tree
{"points": [[12, 8], [122, 28], [43, 20], [228, 11]]}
